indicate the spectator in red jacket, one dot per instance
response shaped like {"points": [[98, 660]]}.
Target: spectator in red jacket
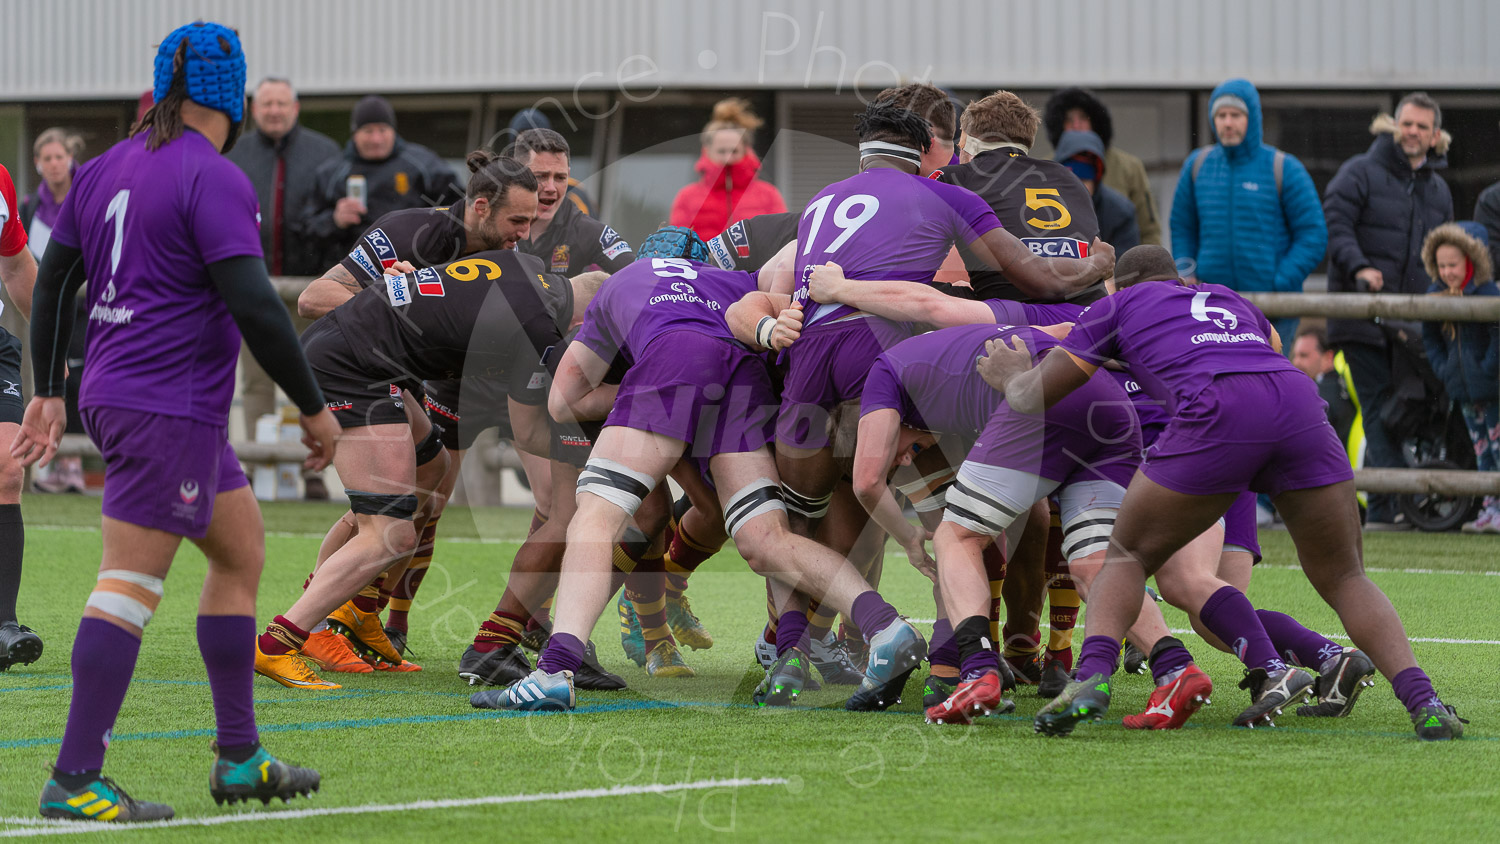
{"points": [[728, 190]]}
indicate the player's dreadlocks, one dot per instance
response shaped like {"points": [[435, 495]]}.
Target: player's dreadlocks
{"points": [[885, 121]]}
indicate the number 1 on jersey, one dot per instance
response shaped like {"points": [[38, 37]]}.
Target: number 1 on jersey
{"points": [[116, 212]]}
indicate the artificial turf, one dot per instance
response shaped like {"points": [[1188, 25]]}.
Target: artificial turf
{"points": [[401, 738]]}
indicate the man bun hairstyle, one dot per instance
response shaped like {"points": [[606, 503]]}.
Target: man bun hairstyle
{"points": [[491, 176], [735, 114]]}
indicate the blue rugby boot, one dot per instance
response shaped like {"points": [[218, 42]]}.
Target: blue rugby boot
{"points": [[260, 777], [536, 692], [100, 800], [895, 653]]}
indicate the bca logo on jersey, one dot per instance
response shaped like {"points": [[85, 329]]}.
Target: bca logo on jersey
{"points": [[1056, 247], [739, 239], [384, 251], [1204, 312], [607, 237]]}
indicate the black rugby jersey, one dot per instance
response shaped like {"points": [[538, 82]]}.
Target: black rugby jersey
{"points": [[492, 314], [748, 244], [1037, 200], [427, 237], [574, 241]]}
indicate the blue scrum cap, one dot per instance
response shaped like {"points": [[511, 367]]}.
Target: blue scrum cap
{"points": [[213, 67], [674, 242]]}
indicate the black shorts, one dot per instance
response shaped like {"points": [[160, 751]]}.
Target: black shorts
{"points": [[357, 400], [463, 408], [572, 443], [11, 406]]}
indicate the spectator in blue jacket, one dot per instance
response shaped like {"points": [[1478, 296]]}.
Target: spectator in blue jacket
{"points": [[1246, 215], [1466, 355]]}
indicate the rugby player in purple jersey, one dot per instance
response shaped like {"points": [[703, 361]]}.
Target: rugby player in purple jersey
{"points": [[1083, 450], [1213, 359], [1220, 557], [692, 390], [166, 233]]}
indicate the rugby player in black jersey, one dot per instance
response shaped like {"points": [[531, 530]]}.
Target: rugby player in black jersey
{"points": [[499, 205], [494, 313]]}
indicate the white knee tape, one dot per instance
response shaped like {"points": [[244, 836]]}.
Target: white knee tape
{"points": [[975, 509], [618, 484], [804, 506], [929, 493], [761, 496], [1087, 533], [130, 596]]}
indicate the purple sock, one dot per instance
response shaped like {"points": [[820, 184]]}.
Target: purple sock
{"points": [[1099, 655], [1167, 658], [1304, 647], [1229, 615], [1414, 689], [977, 663], [872, 614], [227, 643], [103, 659], [791, 631], [563, 653], [944, 650]]}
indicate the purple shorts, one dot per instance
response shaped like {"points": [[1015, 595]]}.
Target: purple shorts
{"points": [[825, 367], [162, 472], [705, 391], [1090, 435], [1239, 525], [1264, 431]]}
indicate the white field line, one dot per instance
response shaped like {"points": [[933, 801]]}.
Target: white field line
{"points": [[35, 827]]}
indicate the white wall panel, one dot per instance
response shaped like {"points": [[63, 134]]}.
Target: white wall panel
{"points": [[57, 49]]}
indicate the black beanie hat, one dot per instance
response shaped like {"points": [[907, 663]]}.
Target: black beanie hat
{"points": [[371, 109]]}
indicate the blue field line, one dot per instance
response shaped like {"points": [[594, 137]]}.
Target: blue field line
{"points": [[604, 708]]}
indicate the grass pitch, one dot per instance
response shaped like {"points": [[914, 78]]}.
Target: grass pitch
{"points": [[398, 739]]}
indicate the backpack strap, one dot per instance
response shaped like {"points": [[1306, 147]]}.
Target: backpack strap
{"points": [[1202, 153], [1278, 164]]}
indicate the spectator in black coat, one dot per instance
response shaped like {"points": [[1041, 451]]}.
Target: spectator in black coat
{"points": [[1379, 207], [396, 174]]}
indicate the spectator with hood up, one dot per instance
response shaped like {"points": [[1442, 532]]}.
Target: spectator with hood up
{"points": [[1078, 110], [1084, 154]]}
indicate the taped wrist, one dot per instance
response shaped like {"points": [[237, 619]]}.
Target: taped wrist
{"points": [[763, 331]]}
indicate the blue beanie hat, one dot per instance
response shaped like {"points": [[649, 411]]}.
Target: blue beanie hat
{"points": [[214, 67], [674, 242]]}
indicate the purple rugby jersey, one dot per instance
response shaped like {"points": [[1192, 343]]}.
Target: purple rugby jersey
{"points": [[884, 224], [149, 223], [1176, 338], [655, 295], [931, 378]]}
